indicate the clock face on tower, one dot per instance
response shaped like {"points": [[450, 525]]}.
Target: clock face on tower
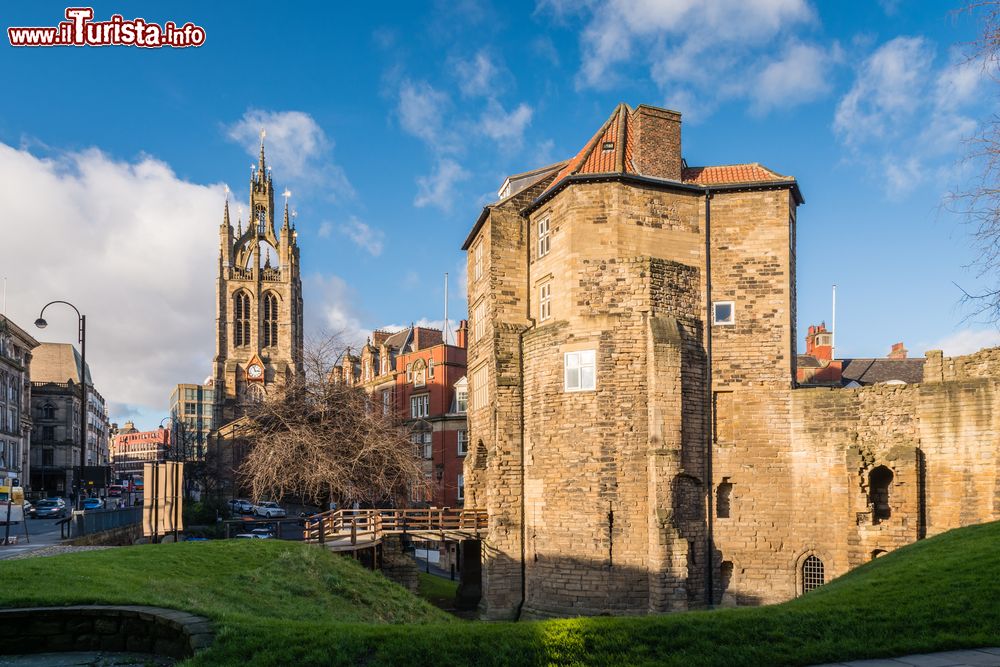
{"points": [[255, 372]]}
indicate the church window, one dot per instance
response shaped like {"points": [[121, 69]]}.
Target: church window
{"points": [[812, 574], [879, 481], [241, 319], [270, 320]]}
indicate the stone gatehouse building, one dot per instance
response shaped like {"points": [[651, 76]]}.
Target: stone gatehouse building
{"points": [[637, 433]]}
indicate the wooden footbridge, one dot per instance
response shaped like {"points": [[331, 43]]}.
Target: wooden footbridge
{"points": [[351, 530]]}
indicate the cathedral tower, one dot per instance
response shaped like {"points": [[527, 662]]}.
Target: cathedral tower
{"points": [[259, 324]]}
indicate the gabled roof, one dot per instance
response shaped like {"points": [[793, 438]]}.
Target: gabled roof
{"points": [[873, 371]]}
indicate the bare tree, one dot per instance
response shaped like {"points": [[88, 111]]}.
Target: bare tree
{"points": [[322, 440], [979, 202]]}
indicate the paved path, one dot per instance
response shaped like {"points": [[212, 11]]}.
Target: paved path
{"points": [[983, 657], [42, 533], [85, 659]]}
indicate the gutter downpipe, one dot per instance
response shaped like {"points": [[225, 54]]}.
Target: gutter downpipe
{"points": [[520, 356], [709, 405]]}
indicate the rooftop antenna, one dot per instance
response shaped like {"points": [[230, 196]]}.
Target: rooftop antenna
{"points": [[446, 308], [833, 325]]}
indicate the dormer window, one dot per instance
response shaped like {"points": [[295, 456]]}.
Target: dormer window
{"points": [[608, 146]]}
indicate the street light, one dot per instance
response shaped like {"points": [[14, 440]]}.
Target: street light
{"points": [[41, 324]]}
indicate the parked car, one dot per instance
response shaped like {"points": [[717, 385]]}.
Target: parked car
{"points": [[270, 510], [92, 504], [239, 506], [50, 508], [254, 536]]}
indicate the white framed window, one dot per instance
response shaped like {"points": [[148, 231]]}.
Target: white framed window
{"points": [[723, 312], [580, 370], [478, 261], [463, 442], [420, 406], [385, 402], [479, 390], [409, 372], [479, 315], [545, 301], [462, 400], [430, 369], [461, 486], [427, 442], [543, 237]]}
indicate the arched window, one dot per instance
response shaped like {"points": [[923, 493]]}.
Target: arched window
{"points": [[879, 481], [48, 411], [270, 320], [812, 574], [255, 394], [241, 319]]}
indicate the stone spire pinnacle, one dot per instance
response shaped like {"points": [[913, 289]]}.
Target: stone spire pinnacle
{"points": [[286, 194], [260, 160]]}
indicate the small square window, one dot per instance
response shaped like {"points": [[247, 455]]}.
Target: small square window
{"points": [[723, 312], [580, 372]]}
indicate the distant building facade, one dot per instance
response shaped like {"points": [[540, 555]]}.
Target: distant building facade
{"points": [[817, 367], [191, 409], [417, 377], [131, 448], [55, 406], [15, 401]]}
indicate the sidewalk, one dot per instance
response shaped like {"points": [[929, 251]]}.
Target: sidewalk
{"points": [[983, 657]]}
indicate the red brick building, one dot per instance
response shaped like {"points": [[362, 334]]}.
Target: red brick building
{"points": [[415, 375], [130, 448]]}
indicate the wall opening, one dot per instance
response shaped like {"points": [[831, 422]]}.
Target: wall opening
{"points": [[879, 481], [878, 552], [812, 574], [722, 495], [723, 581]]}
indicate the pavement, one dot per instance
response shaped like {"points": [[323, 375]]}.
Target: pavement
{"points": [[42, 533], [85, 659], [983, 657]]}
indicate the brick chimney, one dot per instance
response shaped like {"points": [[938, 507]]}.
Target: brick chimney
{"points": [[379, 337], [818, 342], [424, 337], [462, 336], [898, 351], [656, 142]]}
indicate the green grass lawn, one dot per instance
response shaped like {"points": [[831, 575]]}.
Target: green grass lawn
{"points": [[439, 592], [291, 604]]}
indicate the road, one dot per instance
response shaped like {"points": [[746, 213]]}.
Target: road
{"points": [[41, 533]]}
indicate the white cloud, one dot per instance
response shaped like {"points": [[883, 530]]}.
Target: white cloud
{"points": [[438, 188], [708, 51], [365, 237], [325, 229], [108, 236], [905, 116], [295, 145], [800, 74], [421, 113], [331, 310], [503, 127], [967, 341], [479, 76], [887, 90]]}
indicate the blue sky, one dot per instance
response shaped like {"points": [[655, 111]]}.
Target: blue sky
{"points": [[392, 124]]}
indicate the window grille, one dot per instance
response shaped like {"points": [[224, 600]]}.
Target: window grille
{"points": [[812, 574]]}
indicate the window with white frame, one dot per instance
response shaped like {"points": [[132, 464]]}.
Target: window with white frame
{"points": [[543, 237], [386, 398], [479, 315], [463, 442], [545, 301], [723, 312], [430, 368], [461, 486], [479, 389], [462, 400], [478, 260], [580, 370], [409, 372], [420, 406]]}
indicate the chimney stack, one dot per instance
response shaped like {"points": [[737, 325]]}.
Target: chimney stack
{"points": [[657, 142], [461, 338], [819, 342], [898, 351]]}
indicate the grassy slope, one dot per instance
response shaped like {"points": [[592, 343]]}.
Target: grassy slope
{"points": [[276, 610]]}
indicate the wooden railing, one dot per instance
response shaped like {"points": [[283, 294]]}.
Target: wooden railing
{"points": [[353, 529]]}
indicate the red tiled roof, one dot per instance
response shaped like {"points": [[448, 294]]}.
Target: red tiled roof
{"points": [[610, 151], [731, 173]]}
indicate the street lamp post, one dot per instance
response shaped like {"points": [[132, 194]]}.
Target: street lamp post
{"points": [[82, 319]]}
